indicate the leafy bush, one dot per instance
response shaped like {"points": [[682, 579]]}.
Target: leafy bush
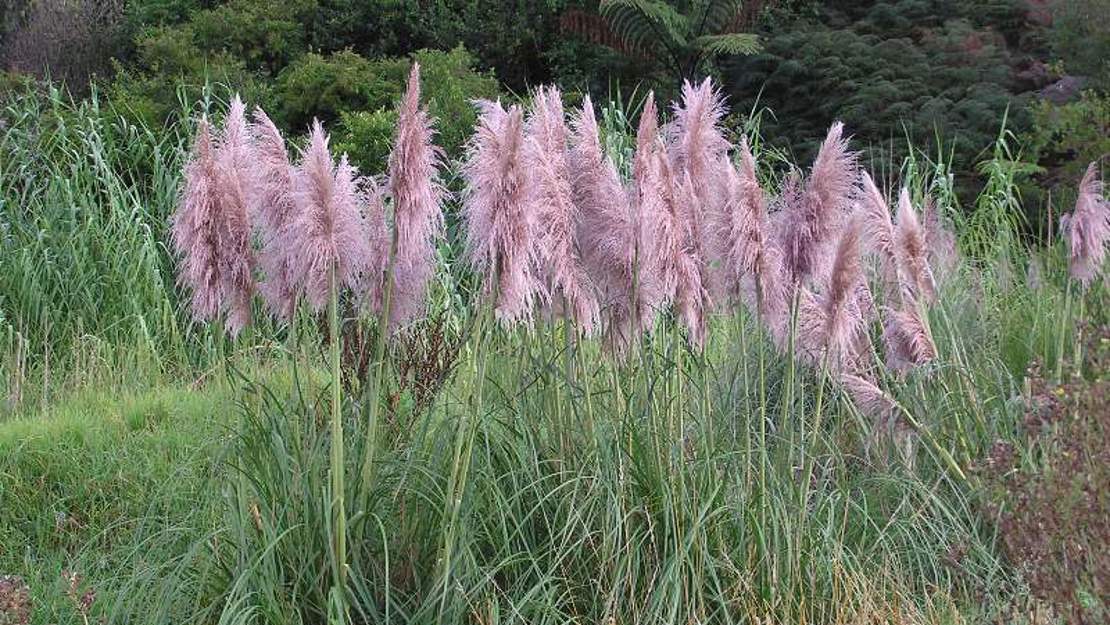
{"points": [[367, 137], [1080, 38], [953, 80], [1063, 140], [360, 94]]}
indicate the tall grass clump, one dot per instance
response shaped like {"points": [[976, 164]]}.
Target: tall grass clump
{"points": [[688, 386]]}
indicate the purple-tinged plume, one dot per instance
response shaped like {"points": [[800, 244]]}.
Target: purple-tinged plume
{"points": [[697, 147], [913, 257], [501, 229], [940, 240], [699, 151], [647, 142], [654, 285], [1087, 229], [211, 233], [329, 233], [552, 196], [907, 339], [846, 298], [234, 157], [676, 259], [826, 197], [878, 229], [274, 211], [195, 228], [416, 190], [832, 324], [869, 399], [607, 230], [751, 264], [370, 196]]}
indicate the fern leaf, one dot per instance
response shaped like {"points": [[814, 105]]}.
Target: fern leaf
{"points": [[743, 44]]}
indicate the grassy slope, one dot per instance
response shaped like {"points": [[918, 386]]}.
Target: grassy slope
{"points": [[85, 485]]}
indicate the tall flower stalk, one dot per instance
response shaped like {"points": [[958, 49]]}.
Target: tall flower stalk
{"points": [[812, 215], [211, 228], [274, 210], [1087, 229], [501, 228], [417, 220], [568, 282], [699, 150], [417, 226], [331, 245], [607, 230]]}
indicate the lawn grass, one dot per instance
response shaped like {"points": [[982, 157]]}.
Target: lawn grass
{"points": [[87, 484]]}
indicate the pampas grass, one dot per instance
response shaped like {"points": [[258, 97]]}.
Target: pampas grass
{"points": [[915, 276], [813, 214], [608, 230], [417, 220], [274, 211], [1087, 229], [234, 155], [211, 229], [907, 339], [568, 282], [501, 228], [329, 233], [846, 299]]}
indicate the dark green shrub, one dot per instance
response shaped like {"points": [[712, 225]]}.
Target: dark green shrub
{"points": [[367, 138], [360, 95], [949, 79], [316, 86]]}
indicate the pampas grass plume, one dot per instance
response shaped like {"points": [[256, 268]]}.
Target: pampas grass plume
{"points": [[1087, 229], [416, 191], [501, 227], [329, 232]]}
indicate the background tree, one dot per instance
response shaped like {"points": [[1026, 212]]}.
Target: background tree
{"points": [[680, 37]]}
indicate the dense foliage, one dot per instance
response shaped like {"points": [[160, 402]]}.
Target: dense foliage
{"points": [[930, 72]]}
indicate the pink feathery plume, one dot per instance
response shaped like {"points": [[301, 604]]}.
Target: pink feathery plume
{"points": [[832, 324], [416, 191], [869, 398], [846, 297], [809, 338], [907, 339], [1087, 229], [649, 209], [697, 145], [552, 197], [235, 148], [676, 259], [501, 230], [607, 229], [274, 211], [234, 160], [647, 142], [328, 233], [699, 150], [195, 228], [751, 262], [826, 196], [913, 258], [370, 196], [940, 240], [878, 229]]}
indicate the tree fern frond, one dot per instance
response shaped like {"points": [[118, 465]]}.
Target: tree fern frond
{"points": [[731, 43], [642, 22], [717, 16]]}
